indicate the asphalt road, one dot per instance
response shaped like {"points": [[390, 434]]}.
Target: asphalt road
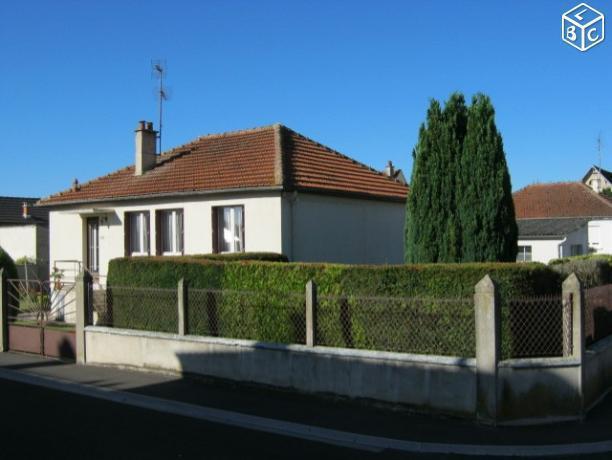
{"points": [[40, 423]]}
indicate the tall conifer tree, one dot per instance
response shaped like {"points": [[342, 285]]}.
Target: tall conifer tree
{"points": [[485, 204], [423, 213], [460, 206]]}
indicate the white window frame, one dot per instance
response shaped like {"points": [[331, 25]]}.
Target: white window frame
{"points": [[239, 239], [175, 231], [522, 253], [142, 237]]}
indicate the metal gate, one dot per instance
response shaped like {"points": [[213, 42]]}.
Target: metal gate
{"points": [[41, 317]]}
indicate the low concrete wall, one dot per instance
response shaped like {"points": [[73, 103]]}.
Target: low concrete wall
{"points": [[433, 383], [539, 388], [597, 371]]}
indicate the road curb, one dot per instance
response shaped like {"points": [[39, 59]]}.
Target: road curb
{"points": [[303, 431]]}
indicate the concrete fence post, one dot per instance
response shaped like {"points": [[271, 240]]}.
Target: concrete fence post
{"points": [[3, 311], [83, 313], [488, 348], [573, 327], [311, 313], [183, 290]]}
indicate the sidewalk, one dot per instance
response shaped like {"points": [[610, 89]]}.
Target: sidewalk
{"points": [[230, 402]]}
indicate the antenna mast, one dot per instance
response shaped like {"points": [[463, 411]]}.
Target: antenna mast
{"points": [[599, 149], [158, 68]]}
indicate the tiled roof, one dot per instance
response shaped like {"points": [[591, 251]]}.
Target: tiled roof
{"points": [[562, 199], [549, 228], [11, 211], [272, 156]]}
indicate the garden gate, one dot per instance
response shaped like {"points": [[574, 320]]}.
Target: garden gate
{"points": [[41, 317]]}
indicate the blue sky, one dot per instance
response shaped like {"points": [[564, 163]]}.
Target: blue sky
{"points": [[355, 75]]}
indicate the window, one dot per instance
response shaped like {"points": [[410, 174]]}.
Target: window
{"points": [[228, 229], [524, 254], [93, 244], [169, 228], [136, 233], [576, 249]]}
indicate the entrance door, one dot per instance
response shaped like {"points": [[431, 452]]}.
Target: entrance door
{"points": [[93, 244]]}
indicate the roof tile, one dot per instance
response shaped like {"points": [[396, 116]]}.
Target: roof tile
{"points": [[241, 159]]}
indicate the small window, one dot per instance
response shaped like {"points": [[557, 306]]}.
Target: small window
{"points": [[524, 254], [137, 233], [576, 250], [228, 229], [170, 228]]}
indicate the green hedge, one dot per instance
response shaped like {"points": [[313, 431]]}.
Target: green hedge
{"points": [[7, 263], [592, 270], [276, 312], [239, 256]]}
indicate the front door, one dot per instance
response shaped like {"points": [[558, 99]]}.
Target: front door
{"points": [[93, 244]]}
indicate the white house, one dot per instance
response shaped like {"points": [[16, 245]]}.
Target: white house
{"points": [[562, 219], [24, 234], [598, 179], [264, 189]]}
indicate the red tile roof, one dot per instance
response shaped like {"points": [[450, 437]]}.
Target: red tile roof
{"points": [[562, 199], [272, 156]]}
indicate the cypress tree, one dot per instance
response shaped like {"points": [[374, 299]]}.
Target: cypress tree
{"points": [[423, 213], [455, 121], [484, 200], [460, 206]]}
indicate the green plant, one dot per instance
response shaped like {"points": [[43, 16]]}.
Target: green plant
{"points": [[25, 261], [7, 263], [460, 206], [592, 270], [265, 300]]}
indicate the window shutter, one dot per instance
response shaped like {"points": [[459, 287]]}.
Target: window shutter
{"points": [[182, 231], [158, 233], [242, 229], [148, 230], [215, 230], [127, 231]]}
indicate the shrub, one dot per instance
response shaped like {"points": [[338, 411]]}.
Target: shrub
{"points": [[591, 270], [7, 263], [274, 308], [237, 256]]}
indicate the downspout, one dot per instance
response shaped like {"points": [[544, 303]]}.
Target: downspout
{"points": [[560, 250]]}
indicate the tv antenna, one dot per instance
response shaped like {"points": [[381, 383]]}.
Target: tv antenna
{"points": [[599, 149], [158, 69]]}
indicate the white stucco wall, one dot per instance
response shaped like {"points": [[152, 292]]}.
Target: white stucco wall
{"points": [[262, 214], [346, 230], [545, 250], [600, 236], [19, 241]]}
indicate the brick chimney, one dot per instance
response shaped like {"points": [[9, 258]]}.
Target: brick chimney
{"points": [[146, 142]]}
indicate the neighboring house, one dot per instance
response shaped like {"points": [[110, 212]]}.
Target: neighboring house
{"points": [[560, 220], [263, 189], [598, 179], [24, 234]]}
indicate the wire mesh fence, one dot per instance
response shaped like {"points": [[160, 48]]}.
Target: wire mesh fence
{"points": [[535, 327], [427, 326], [147, 309], [399, 324], [597, 313], [265, 316], [41, 303]]}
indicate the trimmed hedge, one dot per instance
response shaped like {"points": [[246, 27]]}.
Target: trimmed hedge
{"points": [[276, 311], [7, 263], [238, 256], [592, 270]]}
